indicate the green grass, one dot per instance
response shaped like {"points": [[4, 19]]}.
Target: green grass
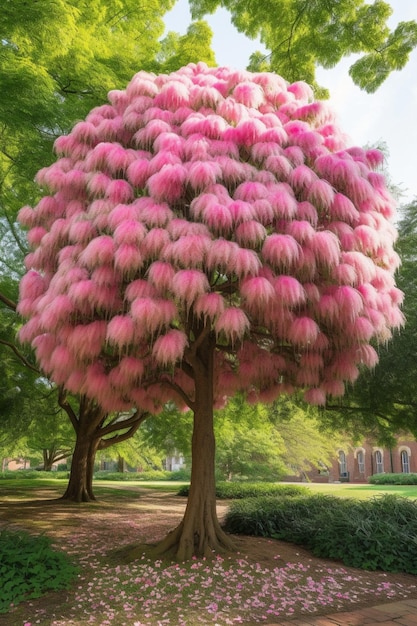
{"points": [[13, 488], [361, 492]]}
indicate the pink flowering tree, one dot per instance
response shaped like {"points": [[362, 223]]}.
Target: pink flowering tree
{"points": [[208, 232]]}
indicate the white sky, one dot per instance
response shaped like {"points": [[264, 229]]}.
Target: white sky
{"points": [[389, 115]]}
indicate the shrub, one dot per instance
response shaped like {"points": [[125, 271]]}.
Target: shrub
{"points": [[33, 474], [371, 534], [147, 475], [29, 567], [393, 479], [237, 491]]}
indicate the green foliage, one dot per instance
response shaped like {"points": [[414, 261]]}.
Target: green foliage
{"points": [[393, 479], [33, 474], [376, 534], [29, 567], [248, 445], [302, 35], [239, 490], [133, 476]]}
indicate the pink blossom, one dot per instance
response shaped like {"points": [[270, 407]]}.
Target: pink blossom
{"points": [[161, 274], [249, 94], [187, 285], [303, 331], [281, 250], [233, 323], [121, 330], [250, 233], [209, 305], [315, 396], [169, 348], [326, 248], [100, 250], [128, 259], [257, 292], [289, 291]]}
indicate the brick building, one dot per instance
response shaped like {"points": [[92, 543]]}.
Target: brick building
{"points": [[357, 464]]}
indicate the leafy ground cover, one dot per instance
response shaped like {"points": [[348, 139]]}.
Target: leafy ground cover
{"points": [[266, 580]]}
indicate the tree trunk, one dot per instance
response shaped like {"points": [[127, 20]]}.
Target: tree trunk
{"points": [[80, 484], [88, 435], [121, 465], [47, 460], [200, 533]]}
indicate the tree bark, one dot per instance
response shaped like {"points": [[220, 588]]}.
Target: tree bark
{"points": [[88, 435], [80, 484], [47, 460], [200, 533]]}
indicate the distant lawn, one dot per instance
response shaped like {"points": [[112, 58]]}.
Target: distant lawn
{"points": [[21, 488], [50, 488], [361, 492]]}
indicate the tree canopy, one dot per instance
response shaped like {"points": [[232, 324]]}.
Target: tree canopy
{"points": [[301, 35]]}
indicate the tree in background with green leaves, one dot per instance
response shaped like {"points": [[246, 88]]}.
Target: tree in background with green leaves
{"points": [[301, 35], [253, 441]]}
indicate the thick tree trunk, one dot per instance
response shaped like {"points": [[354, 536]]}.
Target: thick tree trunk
{"points": [[47, 460], [80, 484], [200, 533], [121, 465], [88, 435]]}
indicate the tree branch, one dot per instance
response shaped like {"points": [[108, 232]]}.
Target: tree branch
{"points": [[65, 405], [20, 356], [9, 303], [106, 443], [136, 418]]}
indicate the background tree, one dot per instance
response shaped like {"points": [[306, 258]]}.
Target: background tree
{"points": [[247, 443], [302, 35], [208, 232]]}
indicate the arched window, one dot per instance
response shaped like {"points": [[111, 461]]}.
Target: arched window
{"points": [[342, 463], [360, 457], [379, 462], [405, 462]]}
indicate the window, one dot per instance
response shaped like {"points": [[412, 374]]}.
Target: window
{"points": [[361, 461], [342, 463], [379, 462], [405, 462]]}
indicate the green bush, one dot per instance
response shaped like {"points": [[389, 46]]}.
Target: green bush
{"points": [[393, 479], [237, 491], [126, 476], [380, 533], [181, 474], [33, 474], [29, 567]]}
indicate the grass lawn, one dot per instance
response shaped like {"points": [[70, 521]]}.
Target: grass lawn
{"points": [[22, 488], [361, 492]]}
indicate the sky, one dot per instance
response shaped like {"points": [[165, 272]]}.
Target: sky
{"points": [[388, 116]]}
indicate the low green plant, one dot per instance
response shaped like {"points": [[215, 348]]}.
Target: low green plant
{"points": [[32, 474], [380, 533], [134, 476], [29, 567], [238, 491], [393, 479]]}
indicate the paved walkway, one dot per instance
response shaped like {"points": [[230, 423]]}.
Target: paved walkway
{"points": [[402, 613]]}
